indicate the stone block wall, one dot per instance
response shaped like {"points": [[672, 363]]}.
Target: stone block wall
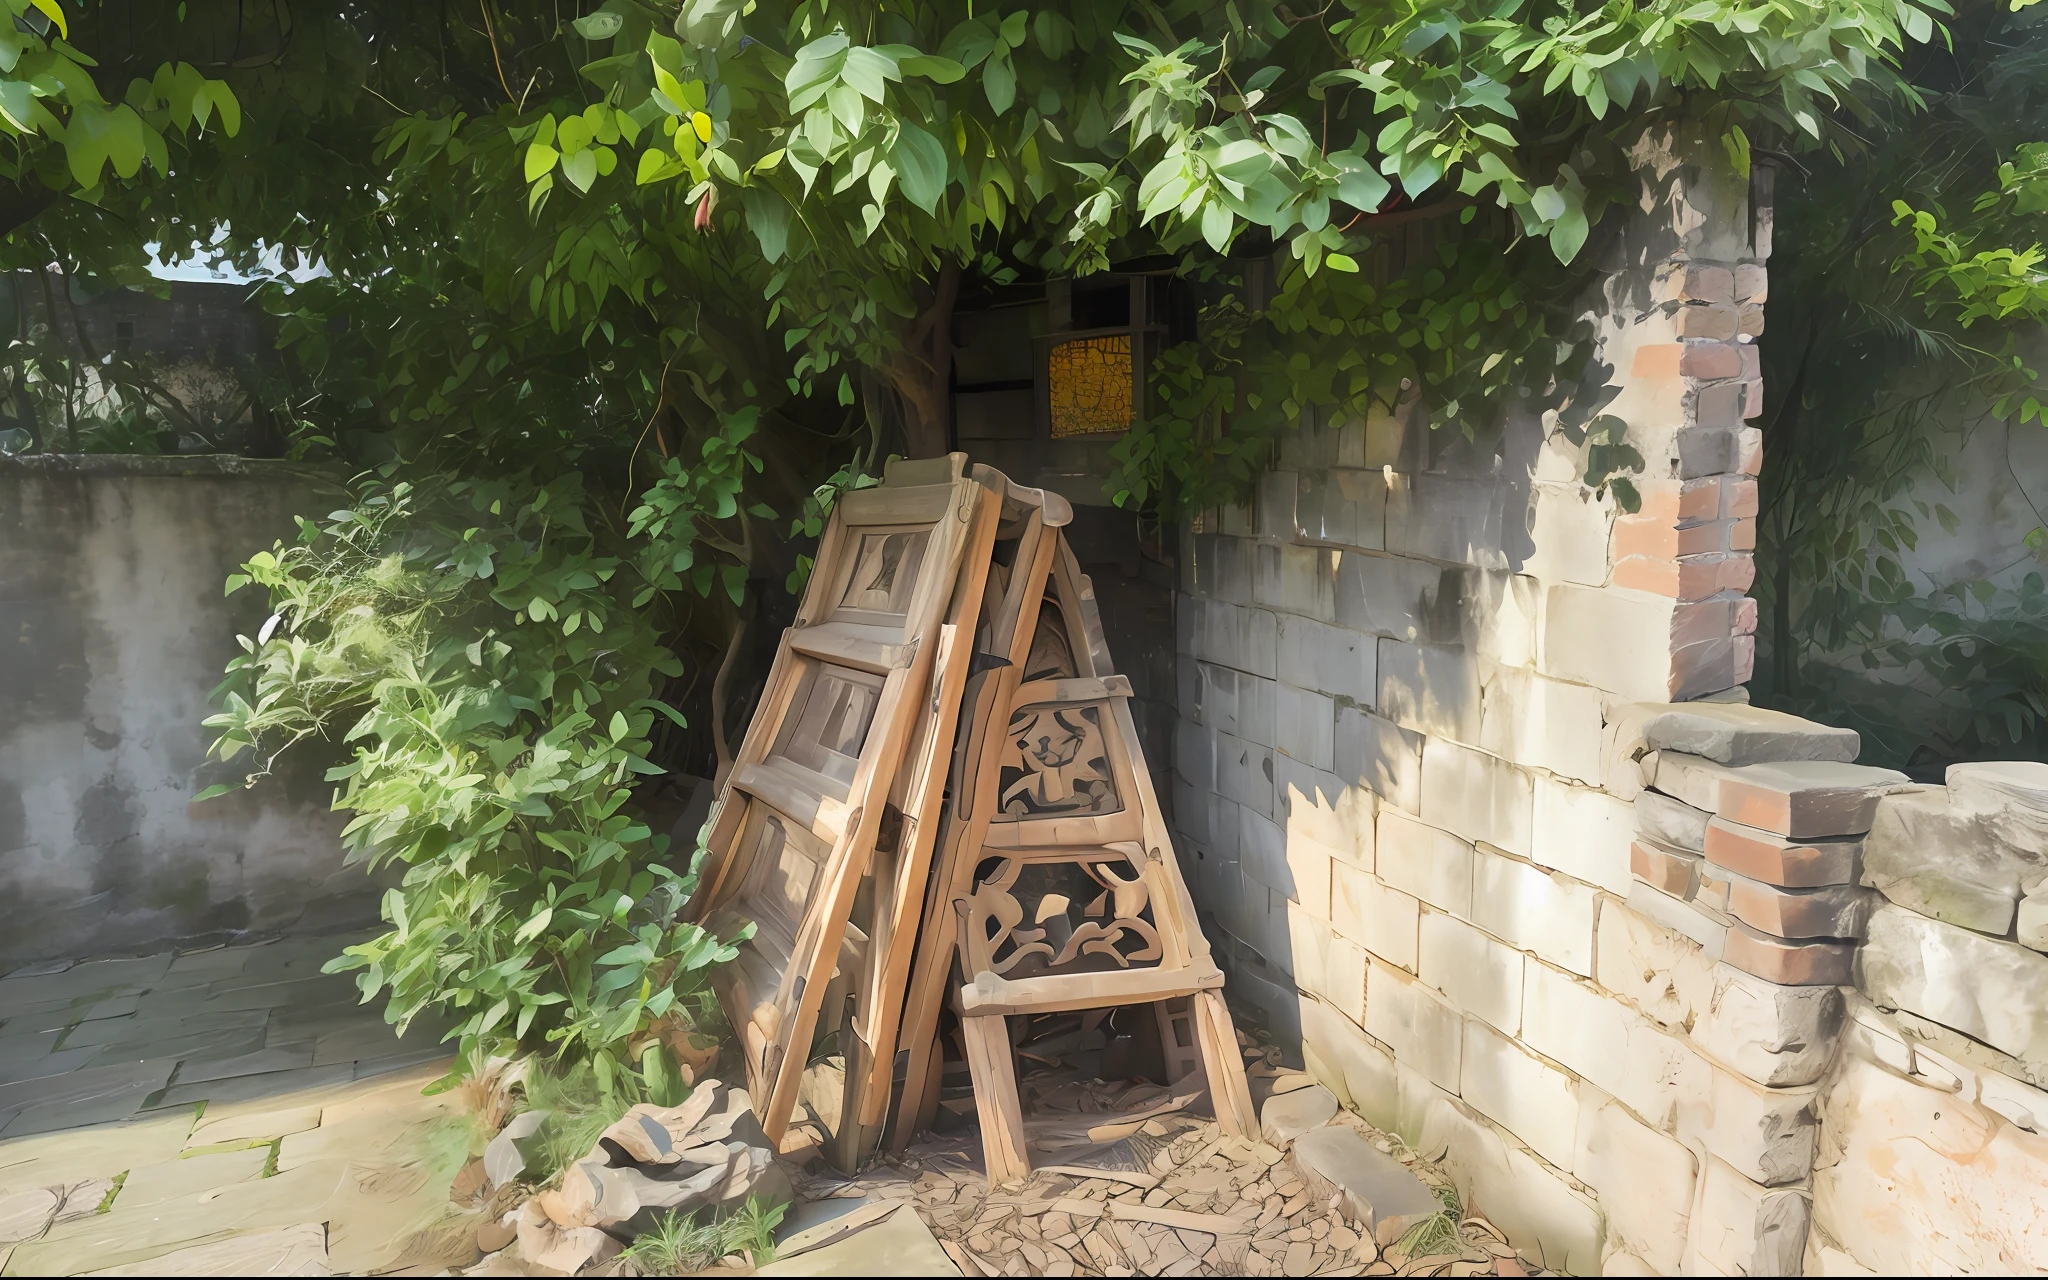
{"points": [[1932, 1156], [1467, 788]]}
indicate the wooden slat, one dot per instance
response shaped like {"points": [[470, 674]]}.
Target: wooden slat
{"points": [[818, 941], [1077, 595], [995, 1099], [1083, 689], [713, 877], [918, 504], [1060, 992], [924, 800], [853, 646], [945, 469], [965, 823], [790, 791], [1229, 1092], [1069, 832]]}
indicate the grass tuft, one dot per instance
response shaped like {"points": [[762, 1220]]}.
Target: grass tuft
{"points": [[681, 1245]]}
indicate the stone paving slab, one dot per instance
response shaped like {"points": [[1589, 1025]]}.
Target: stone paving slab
{"points": [[291, 1251], [158, 1096], [189, 1174]]}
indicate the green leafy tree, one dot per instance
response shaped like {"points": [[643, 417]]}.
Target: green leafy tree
{"points": [[620, 299], [1908, 291]]}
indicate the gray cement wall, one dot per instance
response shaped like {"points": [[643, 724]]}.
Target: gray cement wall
{"points": [[113, 631]]}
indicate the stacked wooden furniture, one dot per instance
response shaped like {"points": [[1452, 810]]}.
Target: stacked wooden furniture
{"points": [[941, 807]]}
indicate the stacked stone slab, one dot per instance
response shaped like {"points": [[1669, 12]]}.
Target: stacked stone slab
{"points": [[1933, 1156]]}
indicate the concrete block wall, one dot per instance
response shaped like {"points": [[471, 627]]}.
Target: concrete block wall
{"points": [[1468, 790], [1413, 675], [114, 630]]}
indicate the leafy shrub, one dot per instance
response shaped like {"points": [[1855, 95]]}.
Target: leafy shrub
{"points": [[480, 637]]}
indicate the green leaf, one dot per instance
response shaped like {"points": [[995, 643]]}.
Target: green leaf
{"points": [[55, 13], [601, 25], [1358, 184], [935, 69], [999, 82], [229, 107], [768, 218], [217, 789], [17, 100], [580, 169], [540, 159], [1736, 143], [1568, 234], [920, 163], [868, 72]]}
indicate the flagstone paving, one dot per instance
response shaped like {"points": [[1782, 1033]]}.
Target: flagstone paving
{"points": [[223, 1112]]}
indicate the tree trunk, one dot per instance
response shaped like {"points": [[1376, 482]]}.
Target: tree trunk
{"points": [[921, 371]]}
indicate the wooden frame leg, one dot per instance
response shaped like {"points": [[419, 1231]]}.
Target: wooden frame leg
{"points": [[987, 1040], [1228, 1091]]}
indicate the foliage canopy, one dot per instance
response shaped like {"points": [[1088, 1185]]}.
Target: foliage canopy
{"points": [[617, 302]]}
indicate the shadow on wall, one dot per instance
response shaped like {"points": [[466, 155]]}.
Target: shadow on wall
{"points": [[116, 630], [1380, 597]]}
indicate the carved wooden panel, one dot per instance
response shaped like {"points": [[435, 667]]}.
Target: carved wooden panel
{"points": [[1090, 912], [1056, 764]]}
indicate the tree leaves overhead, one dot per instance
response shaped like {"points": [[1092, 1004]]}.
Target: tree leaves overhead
{"points": [[649, 274]]}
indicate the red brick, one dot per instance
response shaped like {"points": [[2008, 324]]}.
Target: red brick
{"points": [[1701, 622], [1772, 859], [1745, 617], [1735, 573], [1790, 964], [1745, 658], [1673, 871], [1753, 398], [1836, 911], [1752, 359], [1804, 799], [1710, 360], [1703, 320], [1640, 535], [1742, 534], [1698, 282], [1749, 443], [1750, 320], [1703, 668], [1714, 404], [1752, 283], [1739, 498]]}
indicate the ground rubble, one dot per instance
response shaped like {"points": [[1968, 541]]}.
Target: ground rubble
{"points": [[1126, 1181]]}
